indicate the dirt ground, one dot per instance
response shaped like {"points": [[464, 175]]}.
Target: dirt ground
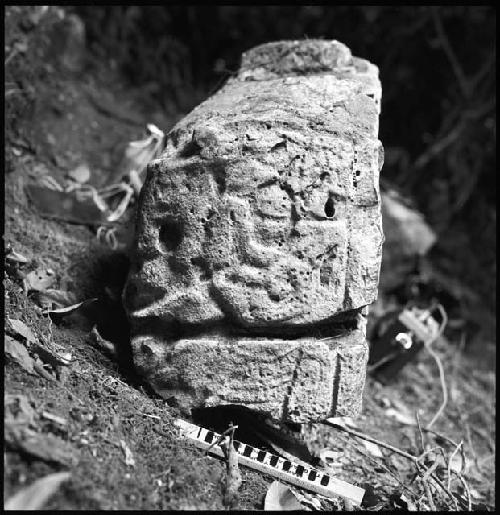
{"points": [[88, 116]]}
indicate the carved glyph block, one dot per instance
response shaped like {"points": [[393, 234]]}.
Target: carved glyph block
{"points": [[260, 221]]}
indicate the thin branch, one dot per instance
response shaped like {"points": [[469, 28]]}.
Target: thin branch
{"points": [[436, 148], [445, 43], [449, 463], [422, 445], [432, 352], [371, 439]]}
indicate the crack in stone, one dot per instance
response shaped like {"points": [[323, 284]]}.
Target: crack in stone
{"points": [[286, 400]]}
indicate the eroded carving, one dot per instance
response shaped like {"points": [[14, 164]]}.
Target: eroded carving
{"points": [[261, 217]]}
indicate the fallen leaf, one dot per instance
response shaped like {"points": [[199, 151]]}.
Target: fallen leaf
{"points": [[280, 497], [16, 257], [22, 329], [129, 458], [80, 174], [69, 309], [51, 357], [407, 420], [39, 280], [17, 352], [139, 153], [373, 449], [54, 418], [35, 496]]}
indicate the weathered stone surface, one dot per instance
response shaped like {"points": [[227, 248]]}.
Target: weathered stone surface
{"points": [[263, 213], [297, 380]]}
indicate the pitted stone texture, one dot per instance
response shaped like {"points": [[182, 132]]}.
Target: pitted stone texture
{"points": [[296, 380], [264, 208], [263, 215]]}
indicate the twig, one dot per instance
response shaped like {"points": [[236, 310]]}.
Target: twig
{"points": [[429, 471], [372, 440], [432, 352], [449, 462], [428, 346], [385, 467], [428, 451], [445, 43], [428, 494], [422, 445], [414, 459], [437, 147], [231, 429], [233, 477]]}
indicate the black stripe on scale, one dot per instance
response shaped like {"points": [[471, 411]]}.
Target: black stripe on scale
{"points": [[325, 480], [261, 455], [312, 475], [273, 461], [299, 470], [287, 465], [248, 450], [237, 445], [209, 437]]}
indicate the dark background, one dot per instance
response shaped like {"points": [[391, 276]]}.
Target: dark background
{"points": [[437, 68]]}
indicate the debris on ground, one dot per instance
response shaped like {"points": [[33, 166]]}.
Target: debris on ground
{"points": [[280, 497], [39, 280], [100, 342], [129, 457]]}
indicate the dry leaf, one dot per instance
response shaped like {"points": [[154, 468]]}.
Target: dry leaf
{"points": [[54, 418], [80, 174], [35, 496], [139, 153], [16, 257], [52, 358], [39, 280], [22, 329], [129, 458], [407, 420], [280, 497], [70, 309], [373, 449], [18, 353]]}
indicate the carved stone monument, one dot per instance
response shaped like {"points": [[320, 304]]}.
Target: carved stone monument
{"points": [[258, 239]]}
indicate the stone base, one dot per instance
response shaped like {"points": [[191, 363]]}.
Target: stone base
{"points": [[291, 380]]}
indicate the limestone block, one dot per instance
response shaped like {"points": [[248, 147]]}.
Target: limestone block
{"points": [[263, 213], [299, 380]]}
